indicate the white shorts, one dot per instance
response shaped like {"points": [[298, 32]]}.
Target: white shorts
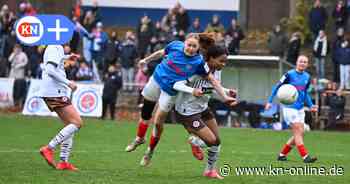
{"points": [[291, 115], [152, 92]]}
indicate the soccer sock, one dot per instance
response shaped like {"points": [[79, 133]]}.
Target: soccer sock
{"points": [[213, 153], [142, 129], [302, 151], [66, 148], [286, 149], [198, 141], [64, 134], [155, 137]]}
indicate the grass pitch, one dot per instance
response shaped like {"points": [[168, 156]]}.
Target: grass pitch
{"points": [[99, 154]]}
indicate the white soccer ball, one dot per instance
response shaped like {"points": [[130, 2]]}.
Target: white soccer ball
{"points": [[287, 94]]}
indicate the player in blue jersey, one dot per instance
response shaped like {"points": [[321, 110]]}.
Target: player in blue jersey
{"points": [[294, 114], [181, 60]]}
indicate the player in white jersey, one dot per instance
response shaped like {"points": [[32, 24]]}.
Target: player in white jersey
{"points": [[192, 109], [55, 89]]}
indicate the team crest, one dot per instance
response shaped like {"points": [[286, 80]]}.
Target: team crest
{"points": [[196, 124], [64, 99]]}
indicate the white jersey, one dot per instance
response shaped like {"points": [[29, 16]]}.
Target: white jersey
{"points": [[49, 86], [186, 104]]}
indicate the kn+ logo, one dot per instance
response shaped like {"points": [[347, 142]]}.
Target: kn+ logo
{"points": [[44, 30]]}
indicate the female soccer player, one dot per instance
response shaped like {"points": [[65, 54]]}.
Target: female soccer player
{"points": [[55, 90], [294, 114], [193, 111], [181, 61]]}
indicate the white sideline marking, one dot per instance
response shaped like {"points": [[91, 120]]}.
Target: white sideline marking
{"points": [[170, 151]]}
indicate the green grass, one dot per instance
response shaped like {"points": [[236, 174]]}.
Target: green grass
{"points": [[99, 154]]}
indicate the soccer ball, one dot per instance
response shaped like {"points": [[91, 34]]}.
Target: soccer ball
{"points": [[287, 94]]}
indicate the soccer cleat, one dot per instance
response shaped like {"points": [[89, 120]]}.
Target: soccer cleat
{"points": [[197, 151], [212, 174], [132, 146], [309, 159], [48, 155], [146, 159], [66, 166], [281, 158]]}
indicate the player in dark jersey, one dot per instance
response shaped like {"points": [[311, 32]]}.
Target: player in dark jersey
{"points": [[193, 111]]}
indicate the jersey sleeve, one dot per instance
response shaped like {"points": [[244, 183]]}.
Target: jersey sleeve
{"points": [[52, 55], [182, 87], [284, 80], [54, 74], [308, 99], [203, 68], [172, 46]]}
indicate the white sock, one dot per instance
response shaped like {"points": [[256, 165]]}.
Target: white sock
{"points": [[64, 134], [197, 141], [213, 153], [66, 148]]}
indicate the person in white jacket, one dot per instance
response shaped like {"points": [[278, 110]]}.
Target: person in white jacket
{"points": [[18, 60]]}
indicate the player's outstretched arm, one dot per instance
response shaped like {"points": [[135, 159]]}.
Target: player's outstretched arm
{"points": [[219, 89], [182, 87], [154, 56]]}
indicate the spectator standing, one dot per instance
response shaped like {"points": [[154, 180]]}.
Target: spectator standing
{"points": [[112, 85], [196, 26], [98, 46], [277, 41], [128, 55], [157, 29], [74, 42], [144, 35], [294, 48], [344, 61], [317, 18], [215, 25], [89, 23], [320, 49], [18, 60], [336, 47], [112, 51], [182, 19], [233, 36], [340, 15]]}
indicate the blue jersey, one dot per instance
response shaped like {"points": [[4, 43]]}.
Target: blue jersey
{"points": [[176, 66], [301, 81]]}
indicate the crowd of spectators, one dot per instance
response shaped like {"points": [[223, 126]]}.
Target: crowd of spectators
{"points": [[103, 52]]}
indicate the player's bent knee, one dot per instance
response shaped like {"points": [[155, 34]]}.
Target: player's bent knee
{"points": [[78, 122], [212, 142], [217, 141], [147, 109]]}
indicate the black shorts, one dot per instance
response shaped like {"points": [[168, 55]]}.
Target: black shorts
{"points": [[57, 102], [195, 121]]}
